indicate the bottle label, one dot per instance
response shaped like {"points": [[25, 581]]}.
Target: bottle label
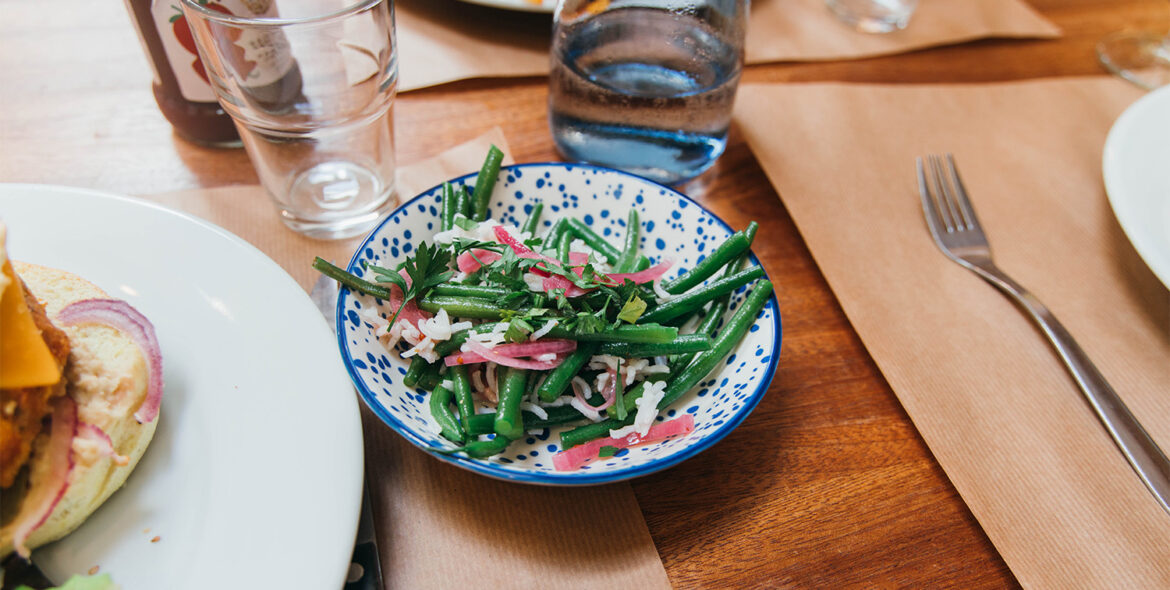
{"points": [[263, 57], [266, 57], [179, 44]]}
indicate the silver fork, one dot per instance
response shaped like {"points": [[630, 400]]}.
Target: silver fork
{"points": [[958, 233]]}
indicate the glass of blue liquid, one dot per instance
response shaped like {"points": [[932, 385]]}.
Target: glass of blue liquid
{"points": [[645, 86]]}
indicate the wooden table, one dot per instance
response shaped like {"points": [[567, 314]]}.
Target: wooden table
{"points": [[827, 484]]}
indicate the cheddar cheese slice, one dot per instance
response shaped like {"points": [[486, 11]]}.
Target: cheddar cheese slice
{"points": [[25, 359]]}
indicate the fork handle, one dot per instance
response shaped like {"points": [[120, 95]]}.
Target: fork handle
{"points": [[1135, 443]]}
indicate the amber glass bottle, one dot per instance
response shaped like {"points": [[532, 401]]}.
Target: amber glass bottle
{"points": [[181, 87]]}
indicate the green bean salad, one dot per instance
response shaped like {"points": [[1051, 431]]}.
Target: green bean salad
{"points": [[512, 331]]}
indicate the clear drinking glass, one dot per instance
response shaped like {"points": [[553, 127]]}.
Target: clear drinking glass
{"points": [[874, 16], [1143, 58], [310, 85], [645, 86]]}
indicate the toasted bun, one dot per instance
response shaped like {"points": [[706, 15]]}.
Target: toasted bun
{"points": [[107, 378]]}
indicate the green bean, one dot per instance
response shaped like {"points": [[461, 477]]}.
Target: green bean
{"points": [[479, 449], [485, 181], [476, 291], [463, 307], [461, 384], [588, 432], [418, 365], [481, 424], [440, 403], [683, 344], [350, 280], [553, 238], [590, 237], [725, 253], [625, 333], [706, 328], [563, 248], [450, 202], [749, 232], [629, 257], [450, 345], [728, 337], [533, 220], [558, 379], [697, 298], [465, 202], [619, 390], [510, 385], [430, 377], [556, 416]]}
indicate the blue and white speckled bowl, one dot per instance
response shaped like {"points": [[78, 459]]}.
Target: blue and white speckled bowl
{"points": [[673, 226]]}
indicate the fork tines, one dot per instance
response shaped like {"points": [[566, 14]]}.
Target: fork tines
{"points": [[949, 199]]}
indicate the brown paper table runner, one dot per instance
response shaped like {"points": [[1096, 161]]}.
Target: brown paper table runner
{"points": [[444, 40], [988, 394], [440, 526]]}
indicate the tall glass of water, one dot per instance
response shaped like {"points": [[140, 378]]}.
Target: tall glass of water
{"points": [[645, 86]]}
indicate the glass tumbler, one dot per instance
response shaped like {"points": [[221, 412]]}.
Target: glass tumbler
{"points": [[310, 85], [645, 86], [874, 16]]}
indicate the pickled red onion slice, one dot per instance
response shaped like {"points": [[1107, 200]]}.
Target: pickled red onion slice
{"points": [[642, 276], [474, 259], [575, 457], [516, 349], [555, 282], [94, 433], [119, 315], [536, 347], [45, 493], [522, 251], [492, 356], [580, 395]]}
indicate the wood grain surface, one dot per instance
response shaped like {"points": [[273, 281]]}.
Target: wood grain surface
{"points": [[826, 484]]}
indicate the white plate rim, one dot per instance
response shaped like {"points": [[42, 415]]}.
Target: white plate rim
{"points": [[328, 534], [1137, 126], [545, 6]]}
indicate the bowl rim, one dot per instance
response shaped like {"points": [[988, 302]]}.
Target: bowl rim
{"points": [[568, 478]]}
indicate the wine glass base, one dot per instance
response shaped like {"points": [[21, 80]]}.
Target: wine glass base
{"points": [[1140, 58]]}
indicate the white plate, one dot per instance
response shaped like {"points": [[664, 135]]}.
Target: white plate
{"points": [[546, 6], [254, 476], [1136, 166]]}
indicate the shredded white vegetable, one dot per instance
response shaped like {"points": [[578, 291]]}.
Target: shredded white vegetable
{"points": [[535, 409], [545, 329], [585, 409]]}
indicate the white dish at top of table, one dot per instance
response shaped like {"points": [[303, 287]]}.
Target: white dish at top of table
{"points": [[673, 226], [546, 6], [254, 475], [1136, 167]]}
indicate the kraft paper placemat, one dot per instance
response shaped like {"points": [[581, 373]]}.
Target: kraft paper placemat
{"points": [[445, 40], [440, 526], [987, 393]]}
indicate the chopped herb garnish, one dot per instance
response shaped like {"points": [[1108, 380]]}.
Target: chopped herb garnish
{"points": [[427, 268], [632, 310]]}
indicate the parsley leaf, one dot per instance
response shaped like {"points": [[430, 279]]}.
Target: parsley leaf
{"points": [[427, 268]]}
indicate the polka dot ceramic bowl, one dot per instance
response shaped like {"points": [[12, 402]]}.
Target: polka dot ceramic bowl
{"points": [[673, 227]]}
